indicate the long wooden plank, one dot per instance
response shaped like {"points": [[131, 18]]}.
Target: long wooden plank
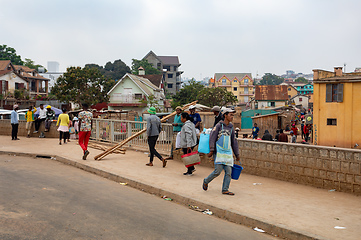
{"points": [[110, 150]]}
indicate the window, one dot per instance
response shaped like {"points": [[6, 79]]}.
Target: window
{"points": [[224, 81], [273, 104], [332, 121], [334, 92], [138, 96], [167, 67], [246, 81], [170, 75], [234, 89], [159, 66], [170, 85], [234, 81], [175, 68], [289, 89], [300, 99]]}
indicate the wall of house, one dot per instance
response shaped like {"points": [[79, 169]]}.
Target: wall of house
{"points": [[126, 83], [268, 122], [264, 104], [291, 91], [12, 79], [347, 131], [304, 101]]}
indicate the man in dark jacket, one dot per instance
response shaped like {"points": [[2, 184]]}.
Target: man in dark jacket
{"points": [[283, 137], [267, 136], [217, 115], [153, 129]]}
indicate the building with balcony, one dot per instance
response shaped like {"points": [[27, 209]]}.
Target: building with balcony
{"points": [[130, 90], [336, 114], [169, 66], [240, 84], [16, 77]]}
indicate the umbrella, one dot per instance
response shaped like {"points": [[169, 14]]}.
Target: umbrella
{"points": [[56, 110]]}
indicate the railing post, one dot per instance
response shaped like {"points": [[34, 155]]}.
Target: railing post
{"points": [[112, 131], [97, 129]]}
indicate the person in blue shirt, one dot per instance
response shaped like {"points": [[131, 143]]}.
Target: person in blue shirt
{"points": [[14, 123], [195, 116], [177, 127], [255, 131]]}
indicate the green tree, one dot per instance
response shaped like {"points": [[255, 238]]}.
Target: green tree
{"points": [[115, 70], [9, 53], [31, 64], [216, 96], [301, 80], [187, 94], [151, 101], [82, 85], [271, 79], [148, 67]]}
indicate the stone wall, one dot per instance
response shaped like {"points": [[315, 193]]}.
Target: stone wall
{"points": [[322, 167], [5, 129]]}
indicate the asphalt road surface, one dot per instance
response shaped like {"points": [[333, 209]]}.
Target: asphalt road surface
{"points": [[44, 199]]}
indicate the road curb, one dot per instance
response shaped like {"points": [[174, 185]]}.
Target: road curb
{"points": [[277, 230]]}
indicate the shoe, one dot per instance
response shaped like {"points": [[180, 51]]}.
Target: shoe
{"points": [[149, 164], [193, 170], [86, 153], [187, 174], [59, 143], [28, 136], [17, 139], [205, 186], [35, 131], [164, 162], [228, 193], [65, 142], [169, 158]]}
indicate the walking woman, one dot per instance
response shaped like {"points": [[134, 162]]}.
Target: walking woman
{"points": [[188, 138], [63, 123]]}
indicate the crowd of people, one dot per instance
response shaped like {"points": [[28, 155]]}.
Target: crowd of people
{"points": [[77, 128], [222, 143]]}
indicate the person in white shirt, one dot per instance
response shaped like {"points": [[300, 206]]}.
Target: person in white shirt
{"points": [[41, 118]]}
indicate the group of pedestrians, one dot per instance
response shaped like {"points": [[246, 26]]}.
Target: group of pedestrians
{"points": [[223, 144], [80, 124]]}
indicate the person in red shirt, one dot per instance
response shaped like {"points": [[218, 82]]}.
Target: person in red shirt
{"points": [[306, 131], [294, 129]]}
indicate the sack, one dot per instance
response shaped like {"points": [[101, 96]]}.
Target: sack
{"points": [[224, 153], [178, 140], [191, 159], [204, 143]]}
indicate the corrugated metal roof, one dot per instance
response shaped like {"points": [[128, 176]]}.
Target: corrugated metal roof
{"points": [[4, 64], [156, 79], [271, 92]]}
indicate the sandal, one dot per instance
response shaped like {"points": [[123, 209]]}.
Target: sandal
{"points": [[164, 162], [205, 186], [228, 193]]}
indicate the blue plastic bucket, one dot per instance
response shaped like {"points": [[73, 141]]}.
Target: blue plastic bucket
{"points": [[236, 171]]}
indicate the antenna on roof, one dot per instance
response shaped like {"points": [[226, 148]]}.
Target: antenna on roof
{"points": [[344, 66]]}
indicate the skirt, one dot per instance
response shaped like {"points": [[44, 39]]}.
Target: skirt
{"points": [[63, 128]]}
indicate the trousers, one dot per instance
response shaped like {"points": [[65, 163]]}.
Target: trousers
{"points": [[152, 141]]}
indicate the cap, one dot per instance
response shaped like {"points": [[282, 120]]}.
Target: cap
{"points": [[228, 110], [16, 106], [179, 107], [75, 119], [192, 107], [48, 106], [216, 109]]}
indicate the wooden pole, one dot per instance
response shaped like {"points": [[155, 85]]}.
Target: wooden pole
{"points": [[112, 149]]}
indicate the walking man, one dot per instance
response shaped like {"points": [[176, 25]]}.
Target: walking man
{"points": [[255, 131], [41, 118], [29, 116], [222, 141], [85, 119], [14, 123], [153, 129]]}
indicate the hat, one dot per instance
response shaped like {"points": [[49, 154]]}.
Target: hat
{"points": [[48, 106], [179, 107], [192, 107], [16, 106], [291, 132], [75, 119], [228, 110], [152, 110], [216, 109]]}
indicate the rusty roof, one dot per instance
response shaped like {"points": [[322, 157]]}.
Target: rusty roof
{"points": [[271, 92], [156, 79], [4, 64]]}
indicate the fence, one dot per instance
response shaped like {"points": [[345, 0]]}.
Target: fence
{"points": [[115, 131]]}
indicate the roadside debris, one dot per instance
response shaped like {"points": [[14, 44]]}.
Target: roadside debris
{"points": [[123, 183], [332, 190], [338, 227], [167, 198], [258, 230], [207, 211], [337, 218], [257, 184]]}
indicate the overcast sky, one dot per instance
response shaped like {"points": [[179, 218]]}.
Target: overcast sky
{"points": [[208, 36]]}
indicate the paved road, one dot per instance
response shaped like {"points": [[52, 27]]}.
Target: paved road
{"points": [[44, 199]]}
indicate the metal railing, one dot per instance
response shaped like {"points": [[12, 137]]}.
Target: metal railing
{"points": [[115, 131]]}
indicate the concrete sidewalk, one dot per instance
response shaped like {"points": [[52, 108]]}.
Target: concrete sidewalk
{"points": [[280, 208]]}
